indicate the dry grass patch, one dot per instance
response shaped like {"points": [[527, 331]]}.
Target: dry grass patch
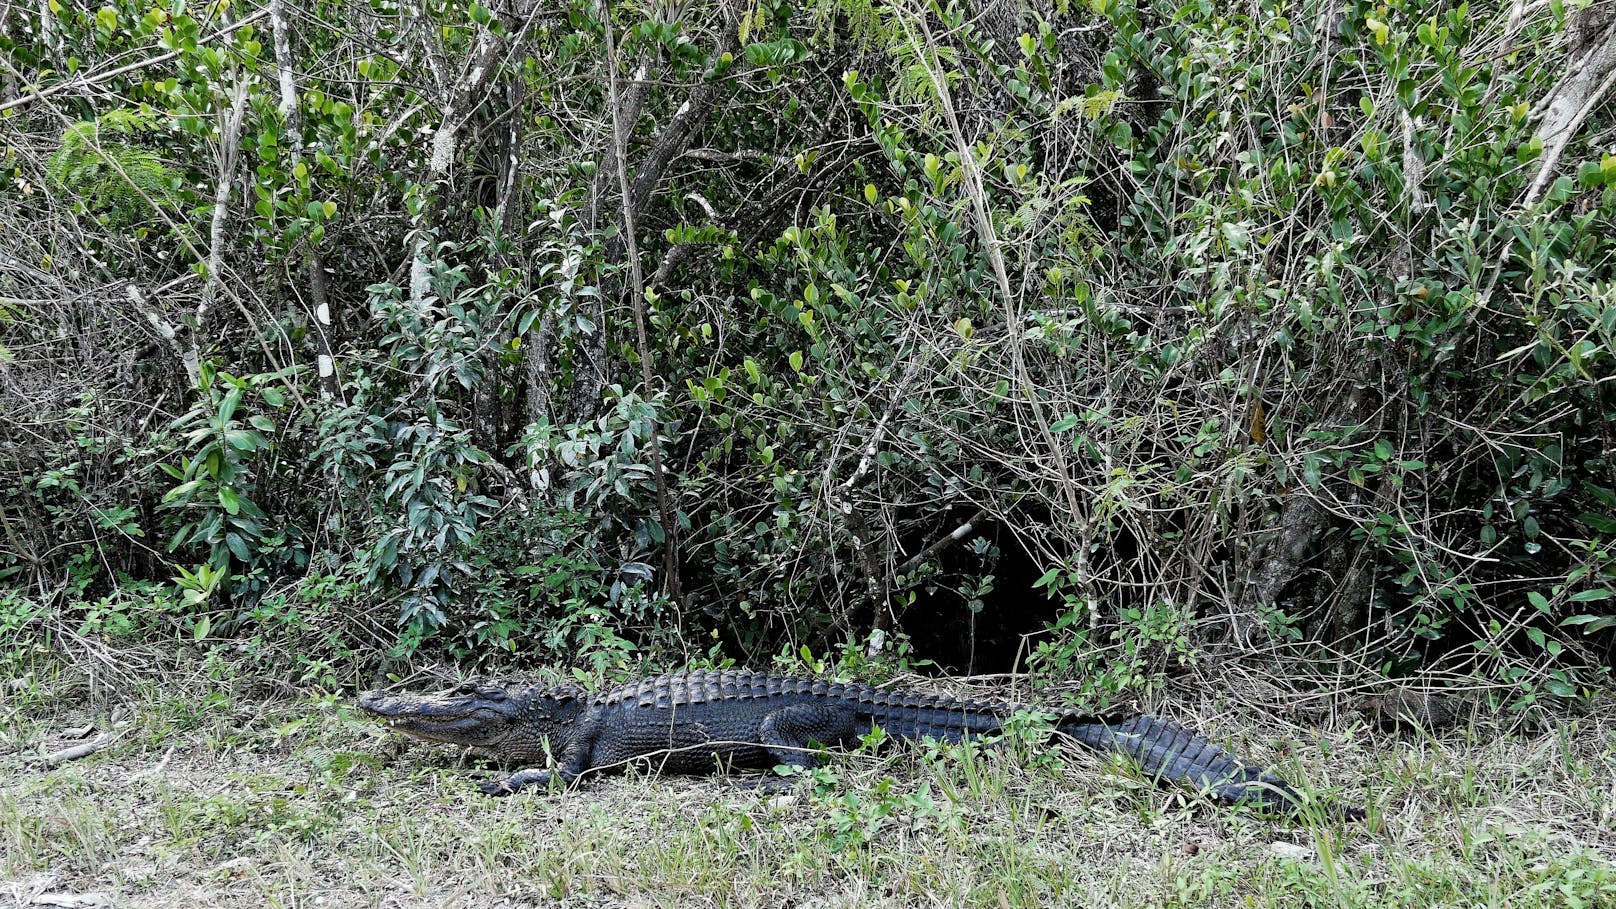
{"points": [[207, 800]]}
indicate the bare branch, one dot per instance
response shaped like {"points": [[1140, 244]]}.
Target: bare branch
{"points": [[670, 530]]}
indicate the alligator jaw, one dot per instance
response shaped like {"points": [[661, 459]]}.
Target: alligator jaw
{"points": [[507, 725], [469, 716]]}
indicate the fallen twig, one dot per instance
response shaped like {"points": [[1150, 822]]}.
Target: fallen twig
{"points": [[78, 752], [157, 768]]}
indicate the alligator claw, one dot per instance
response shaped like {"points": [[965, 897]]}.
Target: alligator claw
{"points": [[776, 785], [494, 788]]}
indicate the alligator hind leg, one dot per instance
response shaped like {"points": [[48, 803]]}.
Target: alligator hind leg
{"points": [[789, 733]]}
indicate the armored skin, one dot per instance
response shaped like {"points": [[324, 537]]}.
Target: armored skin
{"points": [[706, 721]]}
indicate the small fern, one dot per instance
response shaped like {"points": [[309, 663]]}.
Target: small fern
{"points": [[866, 25], [110, 174]]}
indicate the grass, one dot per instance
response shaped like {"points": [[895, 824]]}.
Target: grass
{"points": [[211, 800]]}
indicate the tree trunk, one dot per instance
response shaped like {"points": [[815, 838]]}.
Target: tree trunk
{"points": [[670, 529], [591, 366], [1590, 73], [464, 98], [324, 358], [229, 157]]}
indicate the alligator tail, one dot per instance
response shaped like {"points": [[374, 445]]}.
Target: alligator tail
{"points": [[1168, 751]]}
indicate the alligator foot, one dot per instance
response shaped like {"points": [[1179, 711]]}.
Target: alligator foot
{"points": [[519, 780], [777, 785], [1271, 795]]}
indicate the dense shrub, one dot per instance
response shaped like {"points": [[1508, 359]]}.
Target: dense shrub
{"points": [[1271, 330]]}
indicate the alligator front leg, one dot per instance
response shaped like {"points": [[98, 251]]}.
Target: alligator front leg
{"points": [[522, 779], [516, 781], [578, 758]]}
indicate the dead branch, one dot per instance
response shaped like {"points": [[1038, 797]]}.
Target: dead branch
{"points": [[325, 361], [1590, 73], [77, 752], [673, 139], [938, 545], [463, 99], [229, 156], [670, 530], [988, 237], [841, 497]]}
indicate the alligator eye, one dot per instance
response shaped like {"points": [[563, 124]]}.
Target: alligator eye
{"points": [[492, 694]]}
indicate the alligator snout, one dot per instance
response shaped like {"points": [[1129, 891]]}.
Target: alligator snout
{"points": [[373, 703]]}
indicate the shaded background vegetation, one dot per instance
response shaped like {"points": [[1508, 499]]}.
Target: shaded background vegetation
{"points": [[1103, 338]]}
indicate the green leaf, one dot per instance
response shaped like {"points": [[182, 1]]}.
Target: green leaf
{"points": [[1312, 472], [1539, 602], [796, 361], [1592, 596], [1599, 522], [1064, 423], [183, 491], [229, 500], [1591, 623], [201, 628], [1379, 29], [243, 439], [227, 409]]}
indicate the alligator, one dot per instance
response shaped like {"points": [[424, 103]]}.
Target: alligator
{"points": [[702, 721]]}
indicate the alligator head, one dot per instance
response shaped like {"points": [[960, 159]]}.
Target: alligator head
{"points": [[518, 725]]}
